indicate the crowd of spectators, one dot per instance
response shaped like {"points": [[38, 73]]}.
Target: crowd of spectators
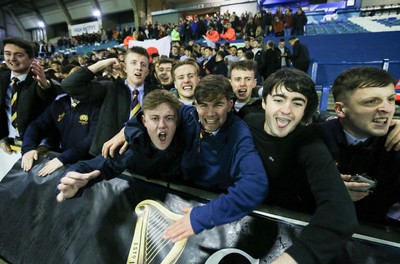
{"points": [[227, 26]]}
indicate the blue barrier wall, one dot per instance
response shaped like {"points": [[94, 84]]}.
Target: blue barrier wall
{"points": [[359, 47]]}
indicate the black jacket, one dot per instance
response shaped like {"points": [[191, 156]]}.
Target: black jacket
{"points": [[32, 100], [73, 129], [300, 56], [303, 177], [112, 97], [370, 158]]}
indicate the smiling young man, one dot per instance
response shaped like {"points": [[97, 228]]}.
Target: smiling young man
{"points": [[118, 99], [32, 93], [365, 105], [186, 76], [301, 171], [162, 73], [22, 100], [155, 153]]}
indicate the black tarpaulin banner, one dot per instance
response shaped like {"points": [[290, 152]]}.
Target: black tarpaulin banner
{"points": [[99, 227]]}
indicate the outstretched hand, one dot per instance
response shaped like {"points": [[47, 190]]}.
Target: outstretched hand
{"points": [[72, 182], [181, 229]]}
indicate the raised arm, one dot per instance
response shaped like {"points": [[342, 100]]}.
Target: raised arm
{"points": [[79, 84]]}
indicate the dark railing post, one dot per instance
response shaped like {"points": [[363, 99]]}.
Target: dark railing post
{"points": [[323, 105]]}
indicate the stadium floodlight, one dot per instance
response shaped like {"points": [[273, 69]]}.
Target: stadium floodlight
{"points": [[41, 24], [97, 13]]}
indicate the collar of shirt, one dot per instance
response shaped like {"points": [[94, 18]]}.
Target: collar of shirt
{"points": [[21, 78], [186, 102], [214, 133], [353, 140], [239, 105], [74, 100]]}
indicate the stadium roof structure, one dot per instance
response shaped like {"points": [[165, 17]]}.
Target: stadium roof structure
{"points": [[31, 12]]}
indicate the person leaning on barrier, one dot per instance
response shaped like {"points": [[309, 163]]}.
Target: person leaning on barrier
{"points": [[25, 92], [302, 174], [360, 140], [71, 124], [155, 152], [219, 155]]}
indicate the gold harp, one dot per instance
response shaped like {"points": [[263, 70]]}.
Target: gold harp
{"points": [[148, 246]]}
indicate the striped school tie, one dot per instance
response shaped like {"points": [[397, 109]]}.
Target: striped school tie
{"points": [[14, 101], [204, 133], [135, 105], [74, 104]]}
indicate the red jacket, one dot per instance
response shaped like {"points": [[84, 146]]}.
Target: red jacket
{"points": [[230, 34], [214, 36]]}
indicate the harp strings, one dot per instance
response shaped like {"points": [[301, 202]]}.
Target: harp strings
{"points": [[155, 242]]}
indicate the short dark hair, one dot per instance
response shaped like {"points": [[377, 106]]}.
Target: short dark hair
{"points": [[23, 44], [165, 60], [249, 55], [213, 87], [244, 65], [294, 81], [155, 54], [138, 50], [189, 48], [360, 77], [220, 53], [270, 44]]}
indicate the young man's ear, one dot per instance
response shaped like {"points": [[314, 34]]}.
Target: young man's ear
{"points": [[123, 67], [263, 103], [143, 120], [340, 109]]}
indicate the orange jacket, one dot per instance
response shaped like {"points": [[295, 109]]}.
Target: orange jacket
{"points": [[214, 36], [126, 40], [230, 34]]}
